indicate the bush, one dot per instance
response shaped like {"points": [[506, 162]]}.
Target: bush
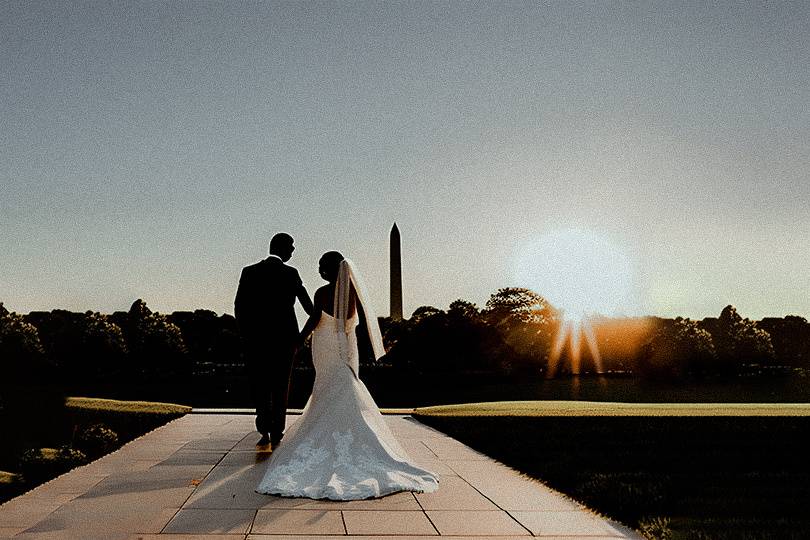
{"points": [[41, 464], [655, 528], [96, 440]]}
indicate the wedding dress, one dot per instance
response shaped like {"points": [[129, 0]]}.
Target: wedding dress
{"points": [[340, 447]]}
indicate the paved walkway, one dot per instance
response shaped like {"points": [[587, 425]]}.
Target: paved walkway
{"points": [[194, 478]]}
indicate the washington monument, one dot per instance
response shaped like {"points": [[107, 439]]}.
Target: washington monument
{"points": [[396, 275]]}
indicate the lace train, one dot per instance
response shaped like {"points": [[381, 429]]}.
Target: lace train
{"points": [[340, 448]]}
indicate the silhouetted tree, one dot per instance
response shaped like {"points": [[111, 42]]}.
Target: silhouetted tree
{"points": [[517, 304], [676, 349], [83, 346], [739, 342], [21, 352], [210, 339], [31, 405], [156, 345], [423, 313], [103, 348], [526, 322], [425, 346], [478, 346], [790, 337], [392, 330], [463, 310]]}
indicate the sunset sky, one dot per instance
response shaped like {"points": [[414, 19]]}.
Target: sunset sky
{"points": [[150, 149]]}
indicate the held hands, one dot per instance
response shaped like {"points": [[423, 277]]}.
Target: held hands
{"points": [[301, 342]]}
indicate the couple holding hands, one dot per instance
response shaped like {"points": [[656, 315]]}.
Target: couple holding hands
{"points": [[340, 447]]}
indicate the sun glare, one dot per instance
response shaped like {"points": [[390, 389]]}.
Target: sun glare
{"points": [[582, 274], [579, 272]]}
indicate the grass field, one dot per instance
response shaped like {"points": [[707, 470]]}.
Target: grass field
{"points": [[127, 407], [585, 408], [674, 471]]}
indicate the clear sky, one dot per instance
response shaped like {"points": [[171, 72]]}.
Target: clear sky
{"points": [[150, 149]]}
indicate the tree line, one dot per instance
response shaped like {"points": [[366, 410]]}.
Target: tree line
{"points": [[511, 336]]}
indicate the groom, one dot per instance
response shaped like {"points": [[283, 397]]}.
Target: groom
{"points": [[264, 309]]}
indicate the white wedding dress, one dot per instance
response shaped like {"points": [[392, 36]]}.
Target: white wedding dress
{"points": [[340, 447]]}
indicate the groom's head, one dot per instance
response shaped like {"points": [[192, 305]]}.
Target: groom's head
{"points": [[281, 245]]}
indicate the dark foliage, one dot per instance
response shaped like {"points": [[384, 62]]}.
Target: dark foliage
{"points": [[698, 477], [95, 440], [22, 357], [156, 345], [676, 349], [740, 341], [31, 403], [197, 356], [41, 464]]}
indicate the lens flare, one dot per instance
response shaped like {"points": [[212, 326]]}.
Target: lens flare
{"points": [[582, 274], [579, 272]]}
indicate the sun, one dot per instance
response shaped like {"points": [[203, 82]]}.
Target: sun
{"points": [[579, 272], [582, 274]]}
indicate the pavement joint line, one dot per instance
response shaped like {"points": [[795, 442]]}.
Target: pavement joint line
{"points": [[429, 449], [425, 513], [252, 522], [435, 528], [190, 495]]}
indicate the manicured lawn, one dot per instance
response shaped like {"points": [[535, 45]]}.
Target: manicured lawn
{"points": [[130, 407], [676, 471], [592, 408]]}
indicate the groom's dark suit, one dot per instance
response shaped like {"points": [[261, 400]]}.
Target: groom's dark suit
{"points": [[264, 309]]}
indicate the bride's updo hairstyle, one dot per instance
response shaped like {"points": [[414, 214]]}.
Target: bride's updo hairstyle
{"points": [[329, 265]]}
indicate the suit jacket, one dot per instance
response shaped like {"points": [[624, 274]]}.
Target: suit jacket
{"points": [[265, 300]]}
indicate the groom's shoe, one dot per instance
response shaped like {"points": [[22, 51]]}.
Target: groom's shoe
{"points": [[264, 441]]}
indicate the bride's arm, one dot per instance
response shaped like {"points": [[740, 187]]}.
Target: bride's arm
{"points": [[314, 317], [306, 303]]}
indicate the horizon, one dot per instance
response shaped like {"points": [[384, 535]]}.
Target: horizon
{"points": [[151, 151], [592, 318]]}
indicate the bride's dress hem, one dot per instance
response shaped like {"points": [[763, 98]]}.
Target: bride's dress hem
{"points": [[340, 447], [327, 497]]}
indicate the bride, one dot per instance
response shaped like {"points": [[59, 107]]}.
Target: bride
{"points": [[340, 447]]}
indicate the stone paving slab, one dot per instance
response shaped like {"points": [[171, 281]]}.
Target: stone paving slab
{"points": [[194, 478]]}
